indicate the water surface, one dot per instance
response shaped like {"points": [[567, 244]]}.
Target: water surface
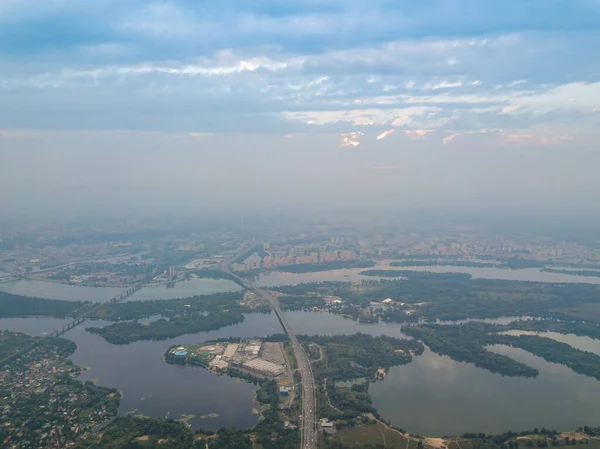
{"points": [[55, 290], [431, 396], [185, 289], [436, 396], [276, 278]]}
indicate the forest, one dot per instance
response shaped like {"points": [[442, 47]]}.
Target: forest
{"points": [[22, 306], [133, 310], [350, 357], [130, 331], [467, 343]]}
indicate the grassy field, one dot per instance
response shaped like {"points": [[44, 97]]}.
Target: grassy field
{"points": [[374, 434]]}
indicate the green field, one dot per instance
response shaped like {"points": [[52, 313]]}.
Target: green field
{"points": [[373, 434]]}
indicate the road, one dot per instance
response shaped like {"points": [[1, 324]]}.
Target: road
{"points": [[309, 402]]}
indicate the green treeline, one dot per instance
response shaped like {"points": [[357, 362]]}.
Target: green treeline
{"points": [[20, 306], [349, 357], [445, 263], [447, 296], [586, 273], [326, 266], [582, 362], [562, 327], [126, 431], [360, 355], [179, 316], [128, 332], [301, 302], [134, 310], [465, 343], [416, 275]]}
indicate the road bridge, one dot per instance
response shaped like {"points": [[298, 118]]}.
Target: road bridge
{"points": [[309, 403]]}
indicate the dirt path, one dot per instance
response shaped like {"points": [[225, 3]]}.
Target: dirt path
{"points": [[371, 416], [321, 355], [327, 396]]}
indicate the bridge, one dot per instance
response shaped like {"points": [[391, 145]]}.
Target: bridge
{"points": [[309, 402], [70, 325]]}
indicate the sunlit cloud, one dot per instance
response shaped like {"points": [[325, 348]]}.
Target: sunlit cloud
{"points": [[417, 133], [200, 134], [350, 139], [442, 85], [385, 134], [450, 138]]}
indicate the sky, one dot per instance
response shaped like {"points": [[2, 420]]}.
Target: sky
{"points": [[123, 106]]}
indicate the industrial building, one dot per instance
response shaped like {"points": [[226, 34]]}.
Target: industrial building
{"points": [[263, 367]]}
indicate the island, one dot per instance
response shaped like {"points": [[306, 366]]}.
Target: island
{"points": [[177, 316]]}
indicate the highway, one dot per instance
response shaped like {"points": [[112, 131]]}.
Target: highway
{"points": [[309, 402]]}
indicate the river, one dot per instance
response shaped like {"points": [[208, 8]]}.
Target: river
{"points": [[55, 290], [184, 289], [275, 278], [431, 396]]}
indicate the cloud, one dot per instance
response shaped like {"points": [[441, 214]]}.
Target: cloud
{"points": [[537, 138], [416, 134], [365, 117], [443, 85], [350, 139], [450, 138], [385, 134], [279, 69], [200, 134]]}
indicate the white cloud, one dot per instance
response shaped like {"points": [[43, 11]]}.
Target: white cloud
{"points": [[417, 134], [365, 117], [442, 85], [450, 138], [384, 134], [350, 139]]}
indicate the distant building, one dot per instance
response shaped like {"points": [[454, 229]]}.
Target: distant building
{"points": [[327, 425], [264, 367], [170, 272], [284, 391], [253, 262]]}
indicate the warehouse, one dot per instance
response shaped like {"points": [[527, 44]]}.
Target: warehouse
{"points": [[265, 368]]}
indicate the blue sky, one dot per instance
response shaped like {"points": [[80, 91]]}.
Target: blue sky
{"points": [[374, 76]]}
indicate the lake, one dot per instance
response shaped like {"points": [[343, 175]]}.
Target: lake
{"points": [[431, 396], [436, 396]]}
